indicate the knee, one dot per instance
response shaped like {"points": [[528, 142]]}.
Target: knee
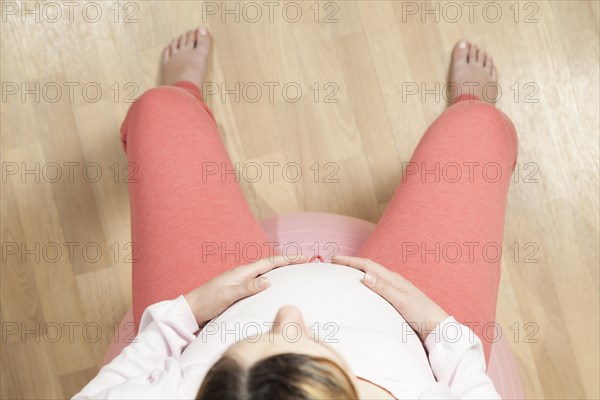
{"points": [[162, 99], [163, 106], [481, 112], [487, 123], [167, 103]]}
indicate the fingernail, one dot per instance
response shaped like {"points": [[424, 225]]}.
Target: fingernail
{"points": [[202, 30], [262, 283], [369, 279]]}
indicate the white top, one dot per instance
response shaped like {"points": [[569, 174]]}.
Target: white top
{"points": [[169, 361]]}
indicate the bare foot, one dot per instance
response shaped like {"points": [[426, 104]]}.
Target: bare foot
{"points": [[474, 72], [184, 59]]}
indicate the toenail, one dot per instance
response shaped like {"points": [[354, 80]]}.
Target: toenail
{"points": [[462, 44], [202, 30]]}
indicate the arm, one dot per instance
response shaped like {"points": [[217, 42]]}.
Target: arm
{"points": [[457, 361], [150, 366], [166, 329]]}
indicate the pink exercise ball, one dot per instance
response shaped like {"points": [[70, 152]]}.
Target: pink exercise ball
{"points": [[324, 235]]}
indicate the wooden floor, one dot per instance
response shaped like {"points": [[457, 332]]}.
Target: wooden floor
{"points": [[58, 310]]}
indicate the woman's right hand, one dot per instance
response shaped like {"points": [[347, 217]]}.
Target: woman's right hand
{"points": [[422, 313]]}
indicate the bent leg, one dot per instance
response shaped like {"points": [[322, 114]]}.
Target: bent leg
{"points": [[188, 222], [443, 228]]}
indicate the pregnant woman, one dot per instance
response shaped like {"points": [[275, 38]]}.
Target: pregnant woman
{"points": [[409, 317]]}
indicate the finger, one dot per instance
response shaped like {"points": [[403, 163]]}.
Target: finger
{"points": [[362, 264], [386, 289], [250, 287], [267, 264]]}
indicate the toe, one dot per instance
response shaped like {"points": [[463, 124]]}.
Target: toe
{"points": [[494, 74], [202, 30], [196, 33], [202, 38], [190, 39], [180, 41], [477, 55], [490, 64], [166, 53], [173, 47], [482, 57], [472, 57], [460, 51]]}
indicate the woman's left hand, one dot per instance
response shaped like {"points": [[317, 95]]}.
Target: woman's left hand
{"points": [[216, 295]]}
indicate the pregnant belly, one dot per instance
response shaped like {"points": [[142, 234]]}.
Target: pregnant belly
{"points": [[332, 299], [340, 311], [325, 293]]}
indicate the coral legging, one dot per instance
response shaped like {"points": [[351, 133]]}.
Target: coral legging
{"points": [[442, 230]]}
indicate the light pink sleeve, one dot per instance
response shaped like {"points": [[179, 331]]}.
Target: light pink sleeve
{"points": [[150, 365], [457, 361]]}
